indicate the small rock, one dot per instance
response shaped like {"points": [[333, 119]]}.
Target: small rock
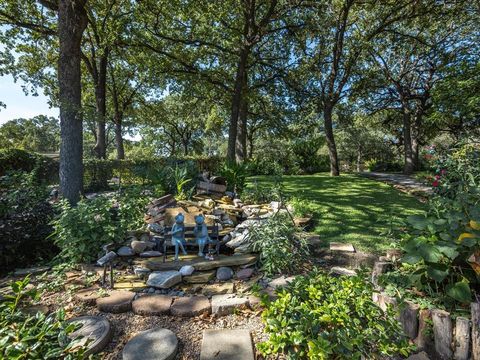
{"points": [[224, 273], [187, 270], [138, 246], [226, 304], [125, 251], [119, 301], [191, 306], [151, 290], [164, 279], [141, 271], [151, 253], [335, 246], [244, 274]]}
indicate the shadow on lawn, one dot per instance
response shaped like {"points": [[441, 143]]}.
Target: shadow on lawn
{"points": [[353, 209]]}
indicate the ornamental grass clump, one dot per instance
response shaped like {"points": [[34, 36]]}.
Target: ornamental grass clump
{"points": [[323, 317], [282, 249]]}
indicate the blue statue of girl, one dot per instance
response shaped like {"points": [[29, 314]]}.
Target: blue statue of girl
{"points": [[201, 233], [178, 234]]}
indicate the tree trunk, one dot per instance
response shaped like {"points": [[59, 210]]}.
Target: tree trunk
{"points": [[241, 143], [359, 158], [236, 104], [72, 21], [119, 138], [332, 147], [100, 99], [409, 165], [250, 146]]}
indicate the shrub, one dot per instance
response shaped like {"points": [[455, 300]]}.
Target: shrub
{"points": [[281, 248], [324, 317], [44, 169], [81, 231], [24, 336], [235, 176], [302, 207], [442, 247], [25, 217]]}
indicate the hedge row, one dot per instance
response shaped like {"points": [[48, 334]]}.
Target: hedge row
{"points": [[98, 172]]}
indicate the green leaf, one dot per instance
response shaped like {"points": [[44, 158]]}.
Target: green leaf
{"points": [[430, 253], [411, 258], [436, 273], [460, 291]]}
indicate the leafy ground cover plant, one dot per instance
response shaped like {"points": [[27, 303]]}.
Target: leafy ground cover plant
{"points": [[235, 176], [24, 336], [442, 246], [282, 249], [323, 317]]}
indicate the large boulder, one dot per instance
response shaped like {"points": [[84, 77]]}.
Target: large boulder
{"points": [[125, 251], [138, 246], [164, 279]]}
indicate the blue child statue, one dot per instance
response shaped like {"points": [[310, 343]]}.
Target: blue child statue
{"points": [[201, 233], [178, 234]]}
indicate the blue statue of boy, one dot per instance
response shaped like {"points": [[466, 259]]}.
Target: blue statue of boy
{"points": [[178, 234], [201, 233]]}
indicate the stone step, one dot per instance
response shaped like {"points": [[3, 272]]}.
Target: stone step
{"points": [[228, 304], [154, 344], [152, 305], [95, 331], [226, 344], [199, 263], [117, 302], [199, 277], [191, 306]]}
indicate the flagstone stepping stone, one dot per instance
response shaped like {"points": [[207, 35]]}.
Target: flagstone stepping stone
{"points": [[342, 271], [164, 279], [244, 274], [117, 302], [224, 273], [187, 270], [226, 344], [88, 296], [150, 253], [281, 281], [226, 304], [335, 246], [154, 344], [199, 277], [94, 329], [218, 289], [32, 271], [125, 251], [152, 304], [191, 306]]}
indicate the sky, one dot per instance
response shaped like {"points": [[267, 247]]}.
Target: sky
{"points": [[20, 105]]}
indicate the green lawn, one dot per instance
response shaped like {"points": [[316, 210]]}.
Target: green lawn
{"points": [[351, 208]]}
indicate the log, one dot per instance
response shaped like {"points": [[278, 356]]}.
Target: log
{"points": [[424, 338], [442, 333], [475, 317], [409, 319], [160, 201], [462, 338]]}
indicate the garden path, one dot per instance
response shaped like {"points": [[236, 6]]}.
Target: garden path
{"points": [[405, 181]]}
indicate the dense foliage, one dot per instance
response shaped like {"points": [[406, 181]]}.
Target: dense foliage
{"points": [[44, 169], [281, 248], [323, 317], [24, 336], [442, 246], [25, 217], [81, 231]]}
